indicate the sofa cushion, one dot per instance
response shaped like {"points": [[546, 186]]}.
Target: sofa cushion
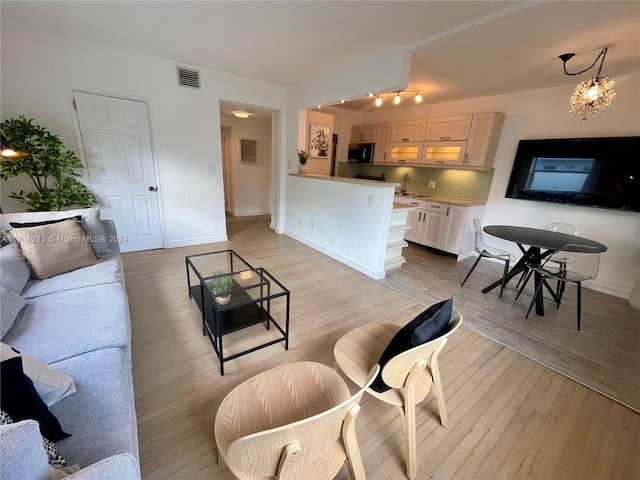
{"points": [[11, 304], [51, 384], [15, 271], [117, 467], [101, 416], [22, 456], [55, 248], [107, 271], [72, 322], [21, 401], [90, 221]]}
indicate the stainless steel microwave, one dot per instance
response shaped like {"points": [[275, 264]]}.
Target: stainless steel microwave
{"points": [[361, 152]]}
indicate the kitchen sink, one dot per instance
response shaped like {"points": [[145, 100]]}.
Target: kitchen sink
{"points": [[407, 194]]}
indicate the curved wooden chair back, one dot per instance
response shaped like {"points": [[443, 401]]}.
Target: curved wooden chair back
{"points": [[396, 372], [285, 452]]}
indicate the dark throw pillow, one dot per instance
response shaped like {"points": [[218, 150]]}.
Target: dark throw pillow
{"points": [[18, 397], [43, 222], [425, 327]]}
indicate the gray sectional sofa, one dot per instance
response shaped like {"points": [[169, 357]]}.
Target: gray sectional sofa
{"points": [[78, 322]]}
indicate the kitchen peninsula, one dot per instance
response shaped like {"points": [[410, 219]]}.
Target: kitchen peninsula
{"points": [[351, 220]]}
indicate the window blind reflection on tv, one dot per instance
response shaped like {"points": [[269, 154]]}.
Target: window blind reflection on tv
{"points": [[596, 172]]}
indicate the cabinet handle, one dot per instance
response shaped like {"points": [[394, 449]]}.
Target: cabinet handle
{"points": [[402, 161], [466, 158], [439, 161], [434, 206], [445, 138], [448, 208], [385, 156], [405, 139]]}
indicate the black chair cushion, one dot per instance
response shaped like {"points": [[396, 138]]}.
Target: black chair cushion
{"points": [[427, 326]]}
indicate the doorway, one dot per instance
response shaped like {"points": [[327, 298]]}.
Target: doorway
{"points": [[116, 139]]}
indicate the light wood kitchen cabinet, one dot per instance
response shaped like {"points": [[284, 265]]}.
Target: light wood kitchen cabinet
{"points": [[408, 131], [364, 133], [448, 128], [444, 153], [483, 139], [405, 152], [382, 143], [441, 225]]}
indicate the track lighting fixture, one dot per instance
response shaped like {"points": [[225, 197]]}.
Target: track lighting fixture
{"points": [[396, 100], [418, 97], [378, 101]]}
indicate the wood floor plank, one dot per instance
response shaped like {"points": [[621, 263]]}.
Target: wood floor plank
{"points": [[509, 417]]}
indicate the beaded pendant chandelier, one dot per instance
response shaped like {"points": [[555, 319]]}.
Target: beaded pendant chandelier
{"points": [[595, 94]]}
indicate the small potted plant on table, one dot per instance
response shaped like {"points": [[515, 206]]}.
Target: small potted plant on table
{"points": [[222, 283], [302, 159]]}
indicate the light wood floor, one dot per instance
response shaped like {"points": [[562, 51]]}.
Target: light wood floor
{"points": [[604, 354], [509, 417]]}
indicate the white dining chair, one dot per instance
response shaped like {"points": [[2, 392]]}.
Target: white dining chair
{"points": [[486, 251]]}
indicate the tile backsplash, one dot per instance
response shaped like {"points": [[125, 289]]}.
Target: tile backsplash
{"points": [[468, 184]]}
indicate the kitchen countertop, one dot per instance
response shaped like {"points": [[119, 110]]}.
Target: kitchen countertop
{"points": [[371, 183], [463, 202]]}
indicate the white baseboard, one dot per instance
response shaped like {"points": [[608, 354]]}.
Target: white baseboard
{"points": [[197, 241], [601, 287], [356, 266], [462, 256], [250, 213]]}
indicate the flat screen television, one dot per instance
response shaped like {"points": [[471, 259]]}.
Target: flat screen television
{"points": [[593, 172]]}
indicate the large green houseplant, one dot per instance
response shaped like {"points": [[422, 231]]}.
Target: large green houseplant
{"points": [[52, 168]]}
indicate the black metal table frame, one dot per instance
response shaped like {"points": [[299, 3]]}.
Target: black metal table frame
{"points": [[213, 326], [533, 256]]}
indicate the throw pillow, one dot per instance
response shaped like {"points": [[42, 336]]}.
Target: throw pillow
{"points": [[18, 397], [51, 384], [427, 326], [55, 459], [43, 222], [90, 221], [54, 249], [11, 304], [15, 272]]}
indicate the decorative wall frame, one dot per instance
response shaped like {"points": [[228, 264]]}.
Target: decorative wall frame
{"points": [[319, 140], [248, 151]]}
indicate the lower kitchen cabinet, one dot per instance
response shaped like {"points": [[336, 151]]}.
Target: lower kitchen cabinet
{"points": [[442, 226]]}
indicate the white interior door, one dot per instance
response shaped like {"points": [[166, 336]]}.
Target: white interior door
{"points": [[116, 137]]}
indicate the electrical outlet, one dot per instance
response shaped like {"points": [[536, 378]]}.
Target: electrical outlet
{"points": [[299, 222], [431, 184], [370, 201]]}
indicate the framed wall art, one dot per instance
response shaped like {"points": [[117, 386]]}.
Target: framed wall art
{"points": [[319, 140], [248, 151]]}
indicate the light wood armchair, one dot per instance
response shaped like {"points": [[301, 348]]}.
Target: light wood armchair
{"points": [[410, 374], [295, 421]]}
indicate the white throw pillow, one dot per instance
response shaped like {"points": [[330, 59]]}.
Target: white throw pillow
{"points": [[15, 271], [10, 306], [51, 384]]}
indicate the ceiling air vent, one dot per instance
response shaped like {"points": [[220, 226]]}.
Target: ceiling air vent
{"points": [[188, 78]]}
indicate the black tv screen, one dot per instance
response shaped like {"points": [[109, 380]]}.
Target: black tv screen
{"points": [[594, 172]]}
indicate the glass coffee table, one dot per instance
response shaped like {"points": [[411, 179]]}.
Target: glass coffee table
{"points": [[253, 291]]}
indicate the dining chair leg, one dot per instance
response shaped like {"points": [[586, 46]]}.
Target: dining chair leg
{"points": [[471, 270], [533, 300], [526, 280], [579, 285], [354, 458], [410, 428], [404, 421], [439, 393]]}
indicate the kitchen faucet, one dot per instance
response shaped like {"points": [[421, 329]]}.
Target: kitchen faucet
{"points": [[403, 185]]}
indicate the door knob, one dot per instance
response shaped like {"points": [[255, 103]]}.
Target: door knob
{"points": [[153, 189]]}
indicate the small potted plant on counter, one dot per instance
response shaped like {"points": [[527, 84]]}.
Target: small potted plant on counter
{"points": [[302, 159], [222, 283]]}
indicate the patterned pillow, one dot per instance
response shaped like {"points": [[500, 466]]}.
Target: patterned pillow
{"points": [[52, 452]]}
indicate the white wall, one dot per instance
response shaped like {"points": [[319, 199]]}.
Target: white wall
{"points": [[539, 114], [39, 71], [250, 183]]}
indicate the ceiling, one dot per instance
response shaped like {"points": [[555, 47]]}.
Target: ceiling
{"points": [[461, 49]]}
